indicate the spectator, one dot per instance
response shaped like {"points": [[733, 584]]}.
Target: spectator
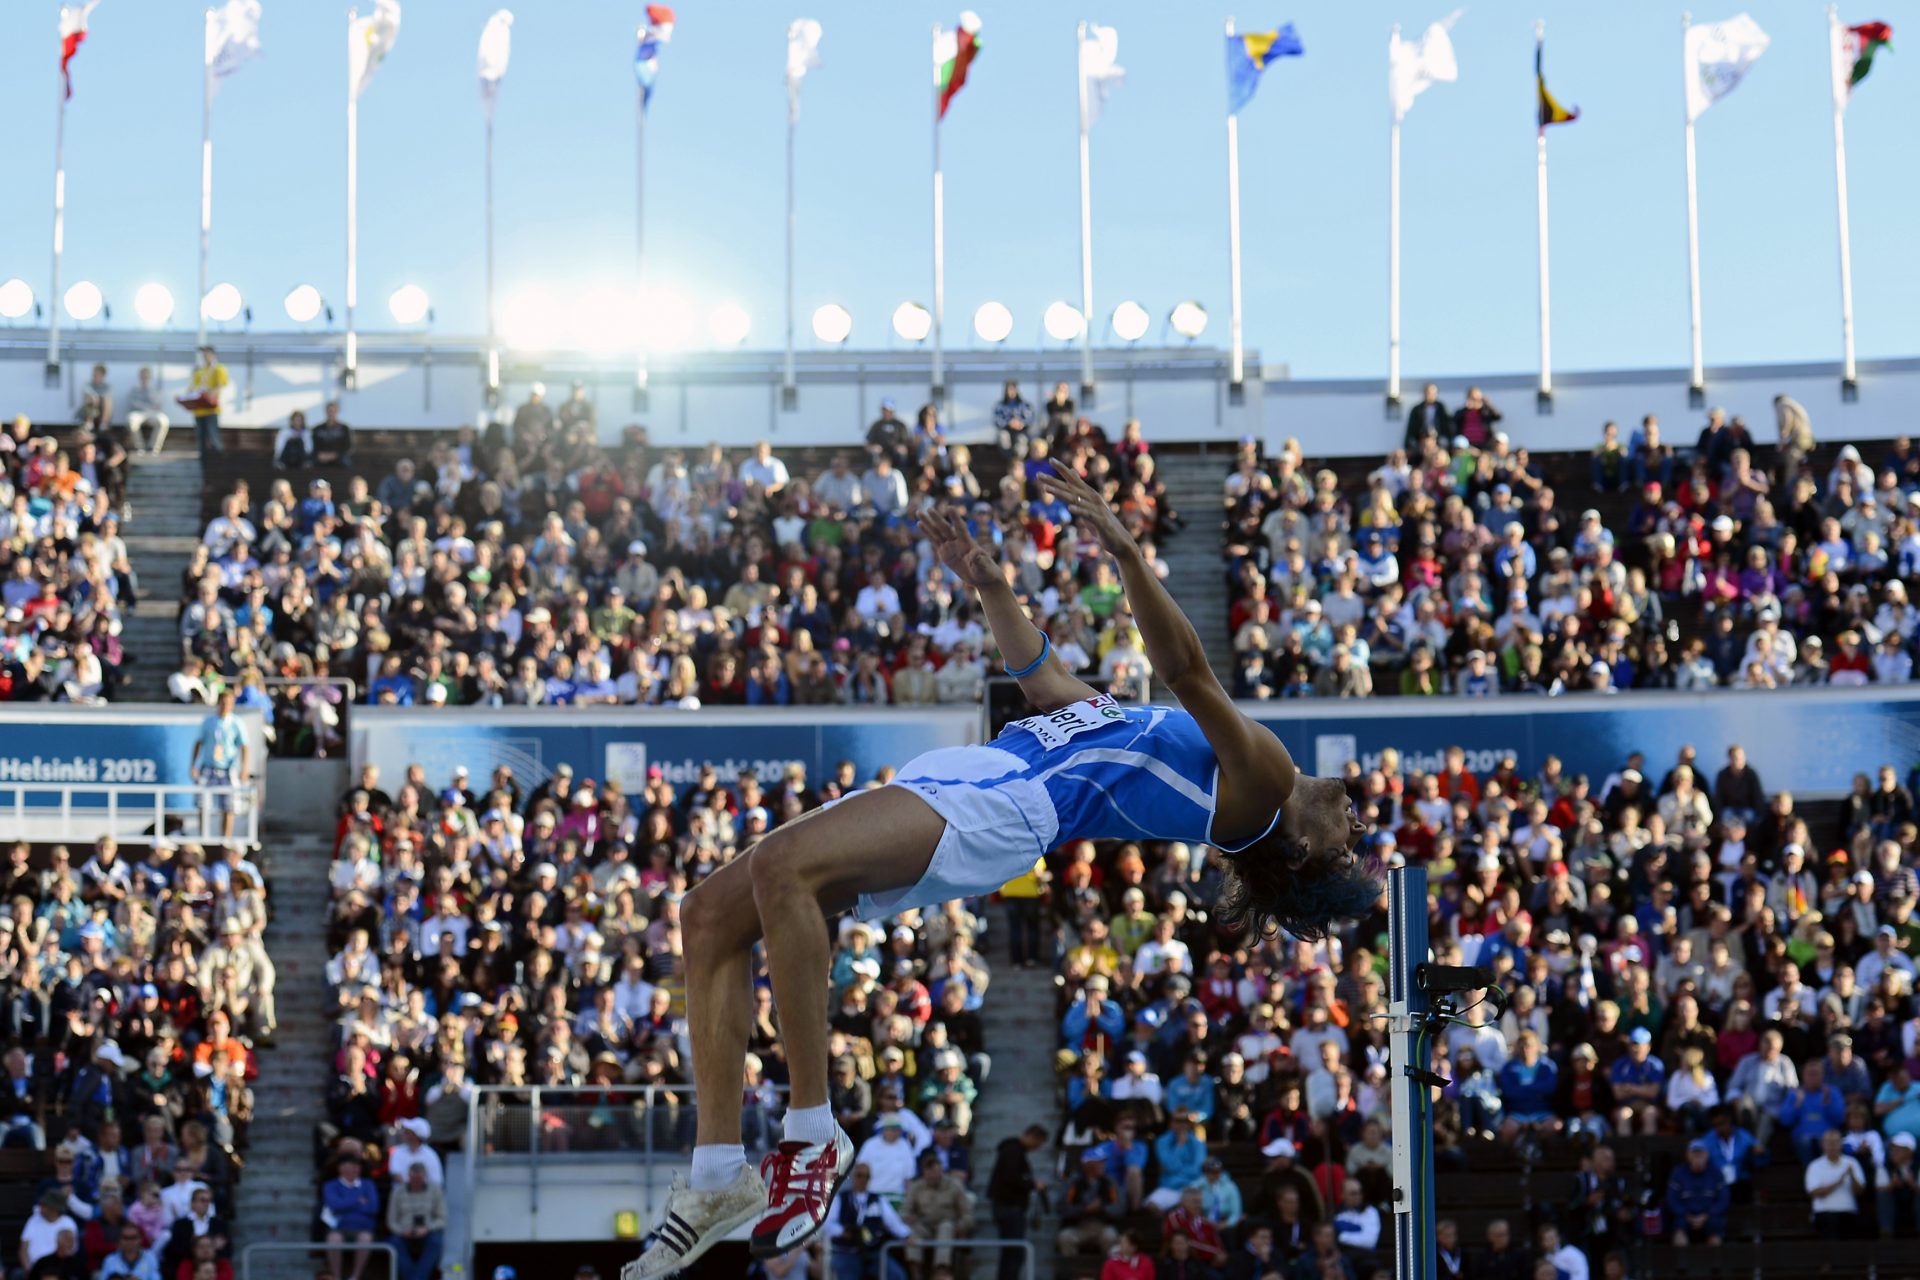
{"points": [[1834, 1184], [936, 1208], [1091, 1206], [1010, 1187], [351, 1213], [416, 1224], [1127, 1261], [146, 409], [858, 1223], [206, 394], [1697, 1198], [1811, 1111]]}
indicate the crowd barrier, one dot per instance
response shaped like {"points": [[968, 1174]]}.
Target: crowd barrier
{"points": [[619, 744]]}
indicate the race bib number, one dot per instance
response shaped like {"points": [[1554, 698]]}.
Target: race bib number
{"points": [[1058, 728]]}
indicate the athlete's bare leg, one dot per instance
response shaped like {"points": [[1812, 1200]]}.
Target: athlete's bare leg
{"points": [[782, 889]]}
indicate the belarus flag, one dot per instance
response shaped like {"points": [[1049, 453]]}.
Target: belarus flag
{"points": [[73, 31]]}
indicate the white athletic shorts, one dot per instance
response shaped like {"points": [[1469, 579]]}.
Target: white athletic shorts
{"points": [[997, 826]]}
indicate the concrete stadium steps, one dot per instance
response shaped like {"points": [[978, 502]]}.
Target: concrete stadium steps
{"points": [[1197, 580], [1018, 1025], [164, 491], [275, 1200]]}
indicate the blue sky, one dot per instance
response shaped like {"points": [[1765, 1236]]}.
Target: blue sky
{"points": [[1314, 152]]}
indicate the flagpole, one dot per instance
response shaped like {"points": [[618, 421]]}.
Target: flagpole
{"points": [[1393, 255], [493, 341], [1540, 161], [1849, 375], [939, 242], [1238, 367], [59, 228], [790, 391], [350, 374], [1086, 226], [640, 244], [206, 194], [1697, 377]]}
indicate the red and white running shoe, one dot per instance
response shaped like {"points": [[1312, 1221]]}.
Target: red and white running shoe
{"points": [[801, 1179]]}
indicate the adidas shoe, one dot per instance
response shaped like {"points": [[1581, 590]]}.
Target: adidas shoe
{"points": [[692, 1222]]}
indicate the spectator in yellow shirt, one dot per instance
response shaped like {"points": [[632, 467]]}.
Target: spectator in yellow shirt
{"points": [[206, 392]]}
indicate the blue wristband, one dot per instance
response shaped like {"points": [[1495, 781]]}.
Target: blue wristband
{"points": [[1046, 647]]}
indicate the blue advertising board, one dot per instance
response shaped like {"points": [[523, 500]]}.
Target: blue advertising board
{"points": [[1808, 741], [620, 743], [47, 748]]}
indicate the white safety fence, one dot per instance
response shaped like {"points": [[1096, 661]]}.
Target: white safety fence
{"points": [[133, 813]]}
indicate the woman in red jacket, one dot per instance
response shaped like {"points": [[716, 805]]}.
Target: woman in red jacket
{"points": [[1127, 1261]]}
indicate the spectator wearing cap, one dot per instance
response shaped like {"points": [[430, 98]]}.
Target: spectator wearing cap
{"points": [[1091, 1206], [1844, 1070], [411, 1150], [1138, 1083], [1639, 1082], [1899, 1189], [1884, 958], [889, 1155], [1220, 1198]]}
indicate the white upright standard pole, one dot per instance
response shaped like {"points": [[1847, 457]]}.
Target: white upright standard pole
{"points": [[1697, 376], [493, 326], [351, 372], [206, 198], [939, 243], [59, 229], [1546, 310], [1238, 366], [1086, 226], [1835, 34], [1393, 262], [788, 385], [640, 247], [1393, 245]]}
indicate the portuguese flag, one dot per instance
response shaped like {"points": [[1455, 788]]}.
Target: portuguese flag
{"points": [[1860, 44], [953, 53]]}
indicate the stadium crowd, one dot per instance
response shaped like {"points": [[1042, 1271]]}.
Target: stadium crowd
{"points": [[496, 933], [1458, 567], [528, 564], [1678, 957], [65, 580], [138, 996]]}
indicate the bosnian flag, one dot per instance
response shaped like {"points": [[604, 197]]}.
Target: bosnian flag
{"points": [[73, 33], [653, 36]]}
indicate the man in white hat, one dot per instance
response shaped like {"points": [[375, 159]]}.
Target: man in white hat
{"points": [[240, 950], [411, 1150]]}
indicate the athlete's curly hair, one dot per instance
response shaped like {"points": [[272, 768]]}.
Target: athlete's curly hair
{"points": [[1264, 887]]}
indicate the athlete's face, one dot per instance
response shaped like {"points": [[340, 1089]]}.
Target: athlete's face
{"points": [[1321, 814]]}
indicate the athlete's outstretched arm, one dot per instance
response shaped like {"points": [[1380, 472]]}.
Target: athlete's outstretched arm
{"points": [[1257, 769], [1049, 686]]}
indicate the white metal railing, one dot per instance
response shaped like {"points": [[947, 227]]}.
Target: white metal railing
{"points": [[133, 813]]}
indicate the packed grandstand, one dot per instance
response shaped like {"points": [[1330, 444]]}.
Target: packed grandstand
{"points": [[1709, 1037]]}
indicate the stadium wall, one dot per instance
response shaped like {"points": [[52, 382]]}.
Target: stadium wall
{"points": [[1181, 393]]}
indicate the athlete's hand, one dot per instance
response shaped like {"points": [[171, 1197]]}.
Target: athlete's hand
{"points": [[972, 563], [1090, 510]]}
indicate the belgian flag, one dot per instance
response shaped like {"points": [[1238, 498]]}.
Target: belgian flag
{"points": [[1551, 112]]}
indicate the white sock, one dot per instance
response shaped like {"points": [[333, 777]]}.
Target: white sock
{"points": [[717, 1164], [810, 1124]]}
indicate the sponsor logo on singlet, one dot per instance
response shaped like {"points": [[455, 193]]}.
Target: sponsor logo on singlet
{"points": [[1057, 728]]}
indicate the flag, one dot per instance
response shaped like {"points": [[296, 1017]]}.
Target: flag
{"points": [[233, 36], [496, 46], [651, 37], [803, 55], [73, 33], [1853, 52], [369, 41], [953, 53], [1248, 55], [1717, 56], [1415, 65], [1551, 112], [1099, 67]]}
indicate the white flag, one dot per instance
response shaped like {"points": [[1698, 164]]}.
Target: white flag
{"points": [[1717, 56], [1100, 67], [233, 36], [1415, 65], [803, 55], [369, 40], [496, 46]]}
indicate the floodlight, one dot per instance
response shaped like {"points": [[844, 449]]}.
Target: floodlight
{"points": [[84, 301], [993, 322], [832, 324], [912, 322], [153, 303]]}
